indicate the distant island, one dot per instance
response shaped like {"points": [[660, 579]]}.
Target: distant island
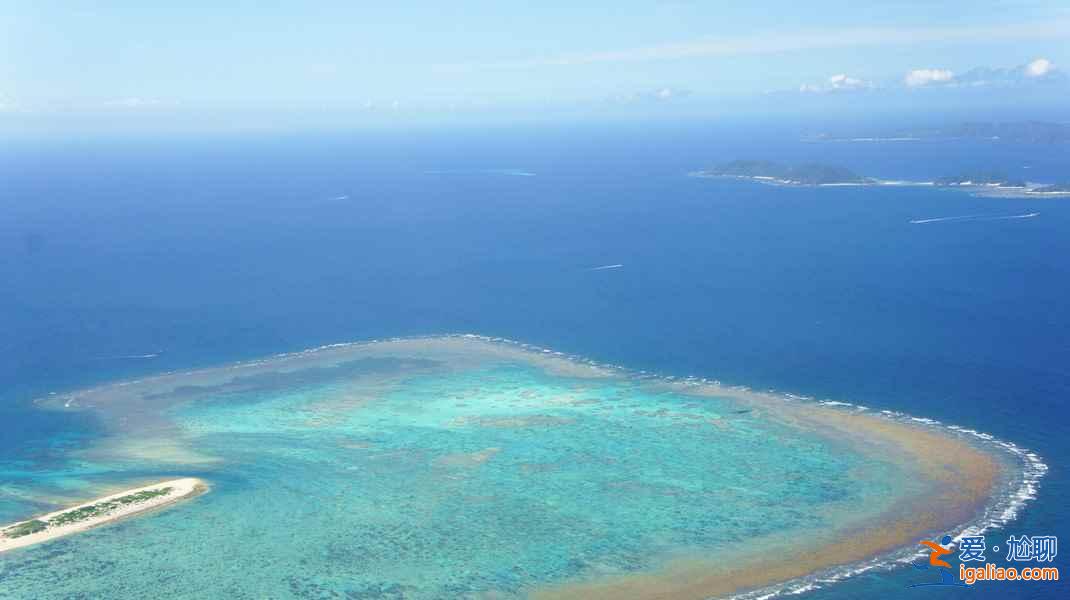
{"points": [[1038, 132], [1032, 132], [772, 172], [98, 512], [985, 182]]}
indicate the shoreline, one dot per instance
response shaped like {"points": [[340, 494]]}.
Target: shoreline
{"points": [[176, 490], [977, 481]]}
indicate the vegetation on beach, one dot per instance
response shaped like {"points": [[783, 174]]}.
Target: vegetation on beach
{"points": [[85, 512], [26, 528]]}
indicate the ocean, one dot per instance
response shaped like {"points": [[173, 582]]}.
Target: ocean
{"points": [[126, 257]]}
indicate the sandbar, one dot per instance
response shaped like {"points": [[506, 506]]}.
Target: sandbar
{"points": [[118, 506]]}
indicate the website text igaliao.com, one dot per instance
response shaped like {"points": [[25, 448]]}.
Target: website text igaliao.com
{"points": [[990, 572]]}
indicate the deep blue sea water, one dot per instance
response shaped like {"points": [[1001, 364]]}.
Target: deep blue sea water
{"points": [[200, 251]]}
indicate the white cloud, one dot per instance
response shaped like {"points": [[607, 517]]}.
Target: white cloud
{"points": [[1039, 68], [1040, 71], [921, 77], [10, 105], [836, 83], [668, 93], [770, 42], [662, 94], [842, 81]]}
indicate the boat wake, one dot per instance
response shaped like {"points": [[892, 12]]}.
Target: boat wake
{"points": [[974, 218]]}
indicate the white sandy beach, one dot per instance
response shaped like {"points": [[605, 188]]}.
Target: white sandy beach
{"points": [[180, 488]]}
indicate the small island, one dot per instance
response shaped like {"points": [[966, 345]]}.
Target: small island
{"points": [[98, 512], [983, 182], [772, 172]]}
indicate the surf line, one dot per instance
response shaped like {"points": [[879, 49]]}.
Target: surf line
{"points": [[605, 267], [974, 218]]}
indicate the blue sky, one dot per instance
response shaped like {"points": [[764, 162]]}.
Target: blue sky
{"points": [[358, 61]]}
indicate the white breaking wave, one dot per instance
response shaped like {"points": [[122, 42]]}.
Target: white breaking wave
{"points": [[904, 182], [605, 267], [974, 218]]}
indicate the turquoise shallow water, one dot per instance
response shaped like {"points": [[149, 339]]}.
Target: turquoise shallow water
{"points": [[416, 478]]}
